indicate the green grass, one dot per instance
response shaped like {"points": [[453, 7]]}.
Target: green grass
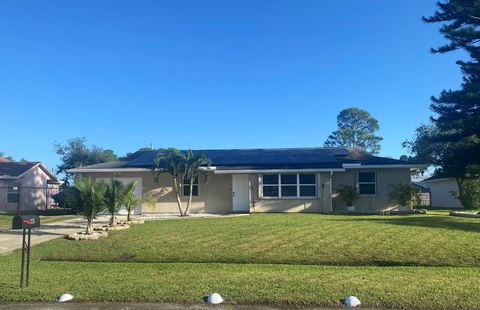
{"points": [[312, 239], [387, 261], [6, 220]]}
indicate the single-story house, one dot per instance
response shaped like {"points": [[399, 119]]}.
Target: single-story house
{"points": [[26, 186], [268, 180], [441, 189]]}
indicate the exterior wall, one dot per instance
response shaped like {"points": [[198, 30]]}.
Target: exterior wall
{"points": [[33, 192], [377, 202], [440, 193], [308, 205], [215, 193], [4, 206]]}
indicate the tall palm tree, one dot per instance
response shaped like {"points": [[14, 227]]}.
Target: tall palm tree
{"points": [[91, 196], [171, 161], [195, 165], [114, 199], [130, 200]]}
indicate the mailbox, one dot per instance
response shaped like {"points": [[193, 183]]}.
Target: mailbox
{"points": [[25, 221]]}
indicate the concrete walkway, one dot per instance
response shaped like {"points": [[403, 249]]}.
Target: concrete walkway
{"points": [[12, 239]]}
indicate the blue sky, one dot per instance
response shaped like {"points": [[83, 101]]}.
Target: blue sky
{"points": [[213, 73]]}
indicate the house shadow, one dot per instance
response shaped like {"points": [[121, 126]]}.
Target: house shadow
{"points": [[440, 222]]}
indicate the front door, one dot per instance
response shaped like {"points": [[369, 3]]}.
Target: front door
{"points": [[240, 193]]}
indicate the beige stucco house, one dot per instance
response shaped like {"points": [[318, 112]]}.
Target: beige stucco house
{"points": [[268, 180], [26, 186], [441, 192]]}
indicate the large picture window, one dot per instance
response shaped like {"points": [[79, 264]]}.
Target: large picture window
{"points": [[367, 183], [297, 185], [13, 193], [186, 187]]}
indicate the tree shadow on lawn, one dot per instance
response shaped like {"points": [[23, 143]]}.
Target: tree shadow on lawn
{"points": [[442, 222]]}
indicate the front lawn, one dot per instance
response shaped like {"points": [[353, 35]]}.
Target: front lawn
{"points": [[386, 261], [287, 239]]}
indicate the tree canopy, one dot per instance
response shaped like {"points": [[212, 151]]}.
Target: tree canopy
{"points": [[356, 128], [132, 155], [3, 155], [457, 112], [451, 141], [76, 153]]}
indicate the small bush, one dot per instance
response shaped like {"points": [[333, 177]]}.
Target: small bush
{"points": [[471, 194], [402, 194], [347, 194]]}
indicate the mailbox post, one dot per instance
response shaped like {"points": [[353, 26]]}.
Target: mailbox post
{"points": [[25, 222]]}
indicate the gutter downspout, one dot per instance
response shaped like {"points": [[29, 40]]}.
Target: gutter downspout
{"points": [[331, 188]]}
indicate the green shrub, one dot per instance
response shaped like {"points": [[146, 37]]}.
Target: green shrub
{"points": [[347, 194], [402, 193], [471, 194]]}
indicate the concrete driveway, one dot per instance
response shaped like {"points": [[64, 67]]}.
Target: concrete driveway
{"points": [[12, 239]]}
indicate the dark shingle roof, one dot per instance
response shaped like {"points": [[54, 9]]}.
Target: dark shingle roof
{"points": [[108, 165], [285, 158], [15, 169]]}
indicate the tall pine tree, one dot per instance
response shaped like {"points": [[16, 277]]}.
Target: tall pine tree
{"points": [[457, 112], [452, 142]]}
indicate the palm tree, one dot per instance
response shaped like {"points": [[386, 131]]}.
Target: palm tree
{"points": [[114, 199], [195, 165], [91, 196], [171, 161], [130, 200]]}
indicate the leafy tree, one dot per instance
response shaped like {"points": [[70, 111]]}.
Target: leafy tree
{"points": [[75, 153], [171, 161], [68, 197], [457, 112], [356, 128], [114, 196], [195, 165], [471, 194], [91, 198], [447, 158], [3, 155], [130, 156], [130, 200], [451, 143]]}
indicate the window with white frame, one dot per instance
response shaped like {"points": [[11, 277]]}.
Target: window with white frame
{"points": [[186, 187], [291, 185], [367, 183], [13, 193]]}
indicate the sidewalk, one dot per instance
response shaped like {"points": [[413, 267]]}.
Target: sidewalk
{"points": [[12, 239]]}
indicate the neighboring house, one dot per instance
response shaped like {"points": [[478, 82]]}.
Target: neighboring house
{"points": [[441, 189], [268, 180], [423, 194], [26, 186]]}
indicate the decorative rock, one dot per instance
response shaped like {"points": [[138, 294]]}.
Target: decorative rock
{"points": [[83, 236], [136, 222], [64, 298], [117, 227], [352, 301], [464, 214], [215, 299]]}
